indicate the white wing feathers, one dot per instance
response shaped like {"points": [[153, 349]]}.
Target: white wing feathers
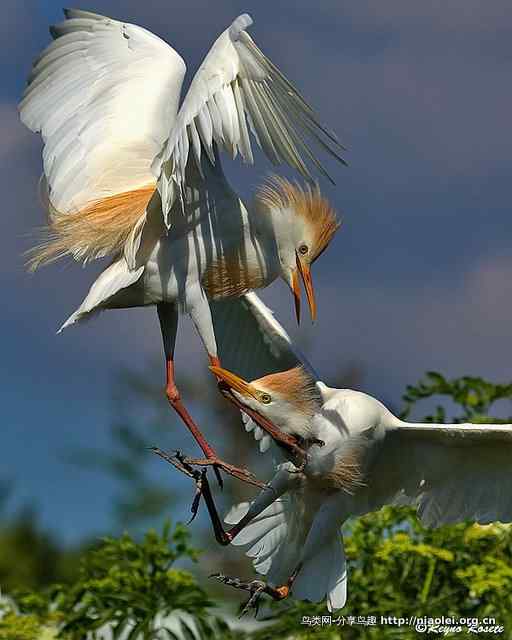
{"points": [[237, 90], [451, 472], [104, 96], [267, 346], [275, 540]]}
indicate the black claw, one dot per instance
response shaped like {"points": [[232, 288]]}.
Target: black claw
{"points": [[253, 602], [220, 481], [197, 497]]}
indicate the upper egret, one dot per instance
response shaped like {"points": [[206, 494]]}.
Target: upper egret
{"points": [[119, 179]]}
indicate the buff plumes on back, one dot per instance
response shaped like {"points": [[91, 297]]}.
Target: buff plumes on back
{"points": [[99, 229]]}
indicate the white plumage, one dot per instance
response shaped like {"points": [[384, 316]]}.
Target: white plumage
{"points": [[237, 90], [105, 97], [370, 458]]}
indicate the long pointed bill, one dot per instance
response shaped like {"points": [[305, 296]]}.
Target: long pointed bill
{"points": [[296, 293], [233, 381], [305, 273]]}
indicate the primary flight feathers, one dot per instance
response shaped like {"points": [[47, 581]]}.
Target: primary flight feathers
{"points": [[105, 98], [237, 86]]}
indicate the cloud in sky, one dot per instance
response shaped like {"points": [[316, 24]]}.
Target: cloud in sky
{"points": [[419, 276]]}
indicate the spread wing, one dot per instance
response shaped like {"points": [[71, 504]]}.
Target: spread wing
{"points": [[104, 96], [451, 472], [236, 90], [252, 344]]}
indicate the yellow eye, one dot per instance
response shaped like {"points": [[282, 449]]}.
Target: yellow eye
{"points": [[303, 249], [265, 398]]}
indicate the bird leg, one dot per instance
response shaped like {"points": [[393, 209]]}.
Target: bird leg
{"points": [[184, 464], [168, 317], [173, 396], [257, 588]]}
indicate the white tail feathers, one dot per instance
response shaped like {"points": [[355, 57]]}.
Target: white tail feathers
{"points": [[276, 539], [113, 280], [324, 576]]}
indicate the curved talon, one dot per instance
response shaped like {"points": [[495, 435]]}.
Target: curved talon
{"points": [[179, 461], [236, 472], [253, 602], [299, 468]]}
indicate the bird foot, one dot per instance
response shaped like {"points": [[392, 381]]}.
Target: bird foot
{"points": [[185, 464], [309, 442], [179, 462], [302, 455], [256, 588], [236, 472]]}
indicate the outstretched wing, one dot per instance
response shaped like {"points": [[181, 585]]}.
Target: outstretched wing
{"points": [[252, 343], [104, 96], [451, 472], [235, 90]]}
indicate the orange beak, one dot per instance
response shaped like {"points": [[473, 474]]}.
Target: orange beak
{"points": [[296, 293], [234, 382], [305, 273]]}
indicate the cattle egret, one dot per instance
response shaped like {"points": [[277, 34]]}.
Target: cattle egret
{"points": [[119, 179], [363, 457]]}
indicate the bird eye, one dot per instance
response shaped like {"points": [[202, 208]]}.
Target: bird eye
{"points": [[303, 249], [265, 398]]}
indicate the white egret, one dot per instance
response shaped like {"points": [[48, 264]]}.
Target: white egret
{"points": [[364, 457], [119, 179]]}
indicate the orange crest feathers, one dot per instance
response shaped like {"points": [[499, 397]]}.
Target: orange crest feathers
{"points": [[296, 386], [307, 202], [99, 229]]}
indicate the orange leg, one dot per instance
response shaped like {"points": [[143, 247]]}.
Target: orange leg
{"points": [[168, 317], [173, 395]]}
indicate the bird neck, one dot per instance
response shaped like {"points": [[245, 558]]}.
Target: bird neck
{"points": [[248, 260]]}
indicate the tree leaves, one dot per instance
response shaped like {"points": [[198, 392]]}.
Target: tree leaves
{"points": [[475, 397]]}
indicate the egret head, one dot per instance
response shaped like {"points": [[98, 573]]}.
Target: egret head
{"points": [[304, 223], [288, 399]]}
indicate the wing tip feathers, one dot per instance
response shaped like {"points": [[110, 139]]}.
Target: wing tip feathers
{"points": [[240, 24]]}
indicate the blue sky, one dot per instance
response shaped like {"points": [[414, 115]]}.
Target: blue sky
{"points": [[419, 277]]}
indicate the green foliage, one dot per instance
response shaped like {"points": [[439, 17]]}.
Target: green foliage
{"points": [[15, 626], [473, 395], [396, 566], [131, 587], [29, 557], [399, 568]]}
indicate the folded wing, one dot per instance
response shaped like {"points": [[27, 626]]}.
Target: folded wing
{"points": [[236, 90]]}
